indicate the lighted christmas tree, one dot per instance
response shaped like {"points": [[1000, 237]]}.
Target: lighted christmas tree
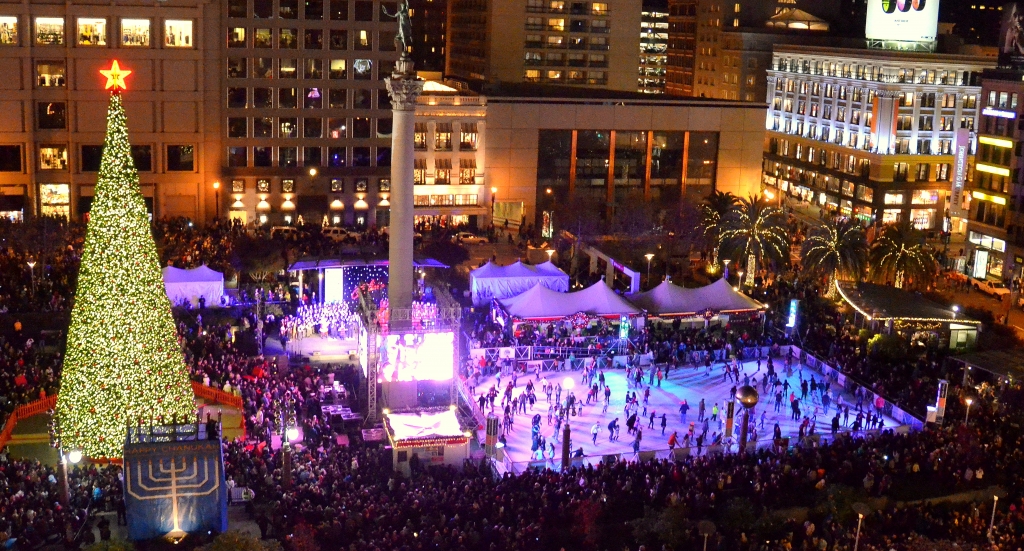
{"points": [[123, 364]]}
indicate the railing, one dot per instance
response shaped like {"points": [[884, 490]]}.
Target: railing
{"points": [[22, 412], [216, 396]]}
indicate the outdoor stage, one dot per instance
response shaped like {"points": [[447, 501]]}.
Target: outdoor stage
{"points": [[683, 383]]}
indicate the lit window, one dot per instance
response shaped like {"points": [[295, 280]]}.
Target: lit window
{"points": [[262, 38], [178, 33], [893, 198], [50, 31], [339, 69], [469, 136], [55, 200], [50, 74], [599, 8], [53, 157], [92, 31], [236, 37], [8, 30], [135, 32], [363, 40]]}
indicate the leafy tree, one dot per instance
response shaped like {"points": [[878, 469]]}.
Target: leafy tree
{"points": [[836, 250], [899, 256], [714, 210], [755, 228], [257, 258]]}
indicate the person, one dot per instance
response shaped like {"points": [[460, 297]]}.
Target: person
{"points": [[683, 408], [673, 440], [594, 430], [714, 412], [636, 440], [664, 423], [700, 410], [612, 428]]}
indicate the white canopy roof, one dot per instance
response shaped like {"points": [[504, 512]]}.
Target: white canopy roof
{"points": [[543, 303], [424, 425], [492, 281], [668, 298], [182, 285]]}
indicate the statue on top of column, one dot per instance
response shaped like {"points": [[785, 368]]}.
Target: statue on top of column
{"points": [[403, 40]]}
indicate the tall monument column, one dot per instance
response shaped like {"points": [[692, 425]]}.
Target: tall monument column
{"points": [[404, 88]]}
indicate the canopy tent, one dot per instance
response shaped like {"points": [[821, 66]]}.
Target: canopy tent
{"points": [[668, 299], [541, 303], [189, 285], [435, 437], [491, 281]]}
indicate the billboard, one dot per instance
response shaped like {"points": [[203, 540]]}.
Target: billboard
{"points": [[1011, 36], [409, 357], [902, 20], [961, 151]]}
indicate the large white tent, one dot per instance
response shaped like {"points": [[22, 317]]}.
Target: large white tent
{"points": [[189, 285], [668, 299], [491, 281], [541, 303]]}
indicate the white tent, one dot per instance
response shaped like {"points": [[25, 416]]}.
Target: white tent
{"points": [[673, 300], [182, 285], [491, 281], [543, 303]]}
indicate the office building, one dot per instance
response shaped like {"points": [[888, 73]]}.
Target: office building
{"points": [[430, 33], [559, 42], [878, 135], [653, 47], [53, 105]]}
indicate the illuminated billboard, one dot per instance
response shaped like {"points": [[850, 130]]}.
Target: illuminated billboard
{"points": [[1011, 36], [408, 357], [902, 20]]}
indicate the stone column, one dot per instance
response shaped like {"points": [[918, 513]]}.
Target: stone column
{"points": [[404, 88]]}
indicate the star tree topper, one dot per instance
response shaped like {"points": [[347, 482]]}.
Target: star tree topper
{"points": [[115, 77]]}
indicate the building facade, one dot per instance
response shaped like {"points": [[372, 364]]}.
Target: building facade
{"points": [[53, 104], [430, 32], [653, 49], [995, 227], [881, 136], [560, 42]]}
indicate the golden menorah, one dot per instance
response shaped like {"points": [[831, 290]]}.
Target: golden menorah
{"points": [[165, 479]]}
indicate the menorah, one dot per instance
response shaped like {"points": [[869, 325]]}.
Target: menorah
{"points": [[173, 480]]}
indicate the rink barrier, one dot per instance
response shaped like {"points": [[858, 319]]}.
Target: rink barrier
{"points": [[25, 411], [216, 396]]}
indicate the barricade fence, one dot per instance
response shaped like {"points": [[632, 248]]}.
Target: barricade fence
{"points": [[23, 412]]}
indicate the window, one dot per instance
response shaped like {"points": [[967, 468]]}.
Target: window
{"points": [[336, 158], [288, 39], [384, 127], [287, 68], [556, 24], [311, 156], [50, 74], [55, 200], [50, 31], [313, 99], [364, 11], [339, 10], [312, 128], [53, 157], [313, 69], [238, 157], [314, 10], [237, 67], [287, 157], [135, 32], [419, 172], [52, 115], [362, 69], [263, 67], [9, 30], [339, 69], [263, 185], [262, 98], [924, 197], [419, 137], [289, 128], [92, 155], [142, 156], [361, 157], [361, 98], [314, 39], [599, 8], [337, 128], [288, 186], [338, 98], [893, 198], [469, 136], [443, 136], [363, 41], [236, 98], [10, 158], [442, 171], [236, 8], [92, 31], [263, 127], [178, 33], [262, 9], [288, 9], [339, 40], [237, 127], [262, 38], [361, 127], [180, 158], [467, 172], [337, 184]]}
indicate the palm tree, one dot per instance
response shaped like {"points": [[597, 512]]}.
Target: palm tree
{"points": [[714, 210], [899, 256], [755, 228], [836, 251]]}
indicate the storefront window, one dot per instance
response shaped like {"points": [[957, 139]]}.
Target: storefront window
{"points": [[55, 200], [178, 33], [923, 219], [893, 198], [924, 197], [891, 216], [92, 31], [50, 31], [986, 241], [53, 157], [135, 32], [8, 30]]}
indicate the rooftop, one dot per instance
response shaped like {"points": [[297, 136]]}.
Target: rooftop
{"points": [[521, 92], [1005, 363], [881, 302], [884, 56]]}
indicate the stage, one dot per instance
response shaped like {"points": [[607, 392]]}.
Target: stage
{"points": [[683, 383]]}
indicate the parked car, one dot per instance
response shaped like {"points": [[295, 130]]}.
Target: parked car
{"points": [[469, 239], [342, 235], [284, 232], [991, 288]]}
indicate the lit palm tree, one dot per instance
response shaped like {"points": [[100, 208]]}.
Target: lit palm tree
{"points": [[714, 210], [899, 256], [836, 251], [755, 228]]}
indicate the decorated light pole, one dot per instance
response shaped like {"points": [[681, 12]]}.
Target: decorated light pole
{"points": [[748, 397]]}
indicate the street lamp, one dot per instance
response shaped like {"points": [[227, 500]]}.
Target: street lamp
{"points": [[494, 195], [216, 192], [748, 397], [968, 400], [312, 172], [725, 274], [649, 256], [740, 280], [32, 274], [550, 252], [956, 310], [862, 511]]}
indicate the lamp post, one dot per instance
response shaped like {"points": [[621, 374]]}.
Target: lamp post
{"points": [[494, 196], [739, 282], [288, 433], [550, 252], [992, 523], [862, 511], [725, 274], [706, 528], [748, 397], [956, 310], [649, 256], [968, 400], [32, 275], [216, 193]]}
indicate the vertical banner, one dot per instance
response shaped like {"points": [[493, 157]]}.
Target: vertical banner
{"points": [[730, 410], [961, 151], [491, 440], [940, 401]]}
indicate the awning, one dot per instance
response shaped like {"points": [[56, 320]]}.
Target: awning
{"points": [[443, 164], [420, 164], [321, 263], [443, 127], [467, 163]]}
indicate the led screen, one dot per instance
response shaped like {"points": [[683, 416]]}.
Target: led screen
{"points": [[334, 286], [417, 357], [902, 20]]}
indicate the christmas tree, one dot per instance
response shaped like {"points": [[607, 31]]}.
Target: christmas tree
{"points": [[123, 364]]}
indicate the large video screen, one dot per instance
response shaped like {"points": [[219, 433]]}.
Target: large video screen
{"points": [[417, 357]]}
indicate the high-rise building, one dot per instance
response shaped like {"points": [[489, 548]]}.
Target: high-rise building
{"points": [[429, 33], [682, 47], [653, 47], [562, 42], [878, 135]]}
